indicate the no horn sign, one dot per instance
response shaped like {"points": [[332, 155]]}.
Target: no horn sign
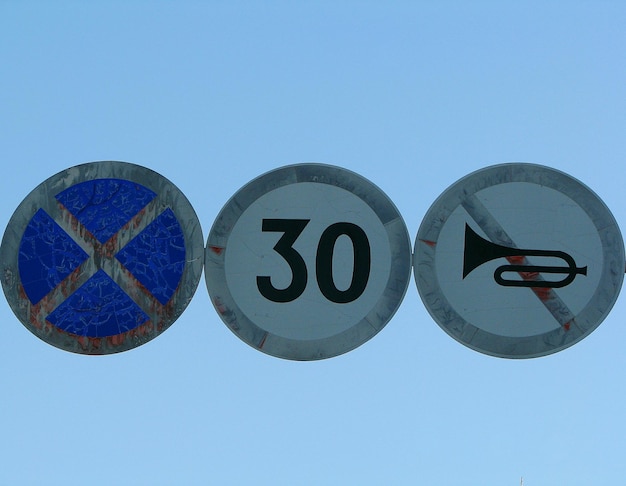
{"points": [[310, 261], [518, 261]]}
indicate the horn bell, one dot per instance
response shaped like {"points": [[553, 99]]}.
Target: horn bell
{"points": [[478, 250]]}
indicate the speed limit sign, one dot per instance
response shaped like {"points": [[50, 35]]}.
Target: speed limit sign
{"points": [[308, 261]]}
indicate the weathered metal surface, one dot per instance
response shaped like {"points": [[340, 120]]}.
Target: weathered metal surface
{"points": [[101, 258], [518, 261], [307, 262]]}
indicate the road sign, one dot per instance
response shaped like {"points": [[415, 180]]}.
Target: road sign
{"points": [[518, 261], [308, 261], [101, 258]]}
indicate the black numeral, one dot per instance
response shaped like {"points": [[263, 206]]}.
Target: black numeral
{"points": [[291, 229], [361, 265]]}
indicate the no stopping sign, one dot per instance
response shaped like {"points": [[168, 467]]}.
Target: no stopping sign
{"points": [[101, 257]]}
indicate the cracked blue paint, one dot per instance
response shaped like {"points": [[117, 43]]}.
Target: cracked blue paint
{"points": [[104, 206], [47, 255], [98, 309], [156, 257]]}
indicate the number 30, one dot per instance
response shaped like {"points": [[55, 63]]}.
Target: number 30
{"points": [[291, 229]]}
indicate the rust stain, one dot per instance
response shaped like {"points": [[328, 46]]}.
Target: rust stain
{"points": [[35, 317], [142, 331], [109, 249], [116, 340], [219, 305], [70, 283], [543, 293], [136, 221], [83, 341], [516, 259], [34, 321], [217, 249]]}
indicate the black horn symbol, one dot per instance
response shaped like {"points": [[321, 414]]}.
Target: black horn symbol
{"points": [[479, 250]]}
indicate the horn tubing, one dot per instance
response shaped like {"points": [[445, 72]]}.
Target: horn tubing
{"points": [[570, 271]]}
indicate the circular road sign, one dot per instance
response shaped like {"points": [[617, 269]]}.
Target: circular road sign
{"points": [[518, 261], [101, 258], [308, 261]]}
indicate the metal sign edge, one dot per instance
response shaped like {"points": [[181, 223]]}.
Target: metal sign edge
{"points": [[266, 342], [192, 232], [435, 218]]}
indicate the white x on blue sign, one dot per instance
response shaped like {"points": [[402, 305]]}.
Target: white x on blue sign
{"points": [[102, 257]]}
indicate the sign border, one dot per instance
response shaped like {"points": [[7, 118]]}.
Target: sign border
{"points": [[307, 350], [440, 309]]}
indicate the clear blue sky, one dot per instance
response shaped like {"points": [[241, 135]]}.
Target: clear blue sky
{"points": [[411, 95]]}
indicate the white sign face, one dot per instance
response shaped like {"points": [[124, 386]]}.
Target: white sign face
{"points": [[518, 261], [307, 262]]}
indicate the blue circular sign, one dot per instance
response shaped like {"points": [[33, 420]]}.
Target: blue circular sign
{"points": [[102, 257]]}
